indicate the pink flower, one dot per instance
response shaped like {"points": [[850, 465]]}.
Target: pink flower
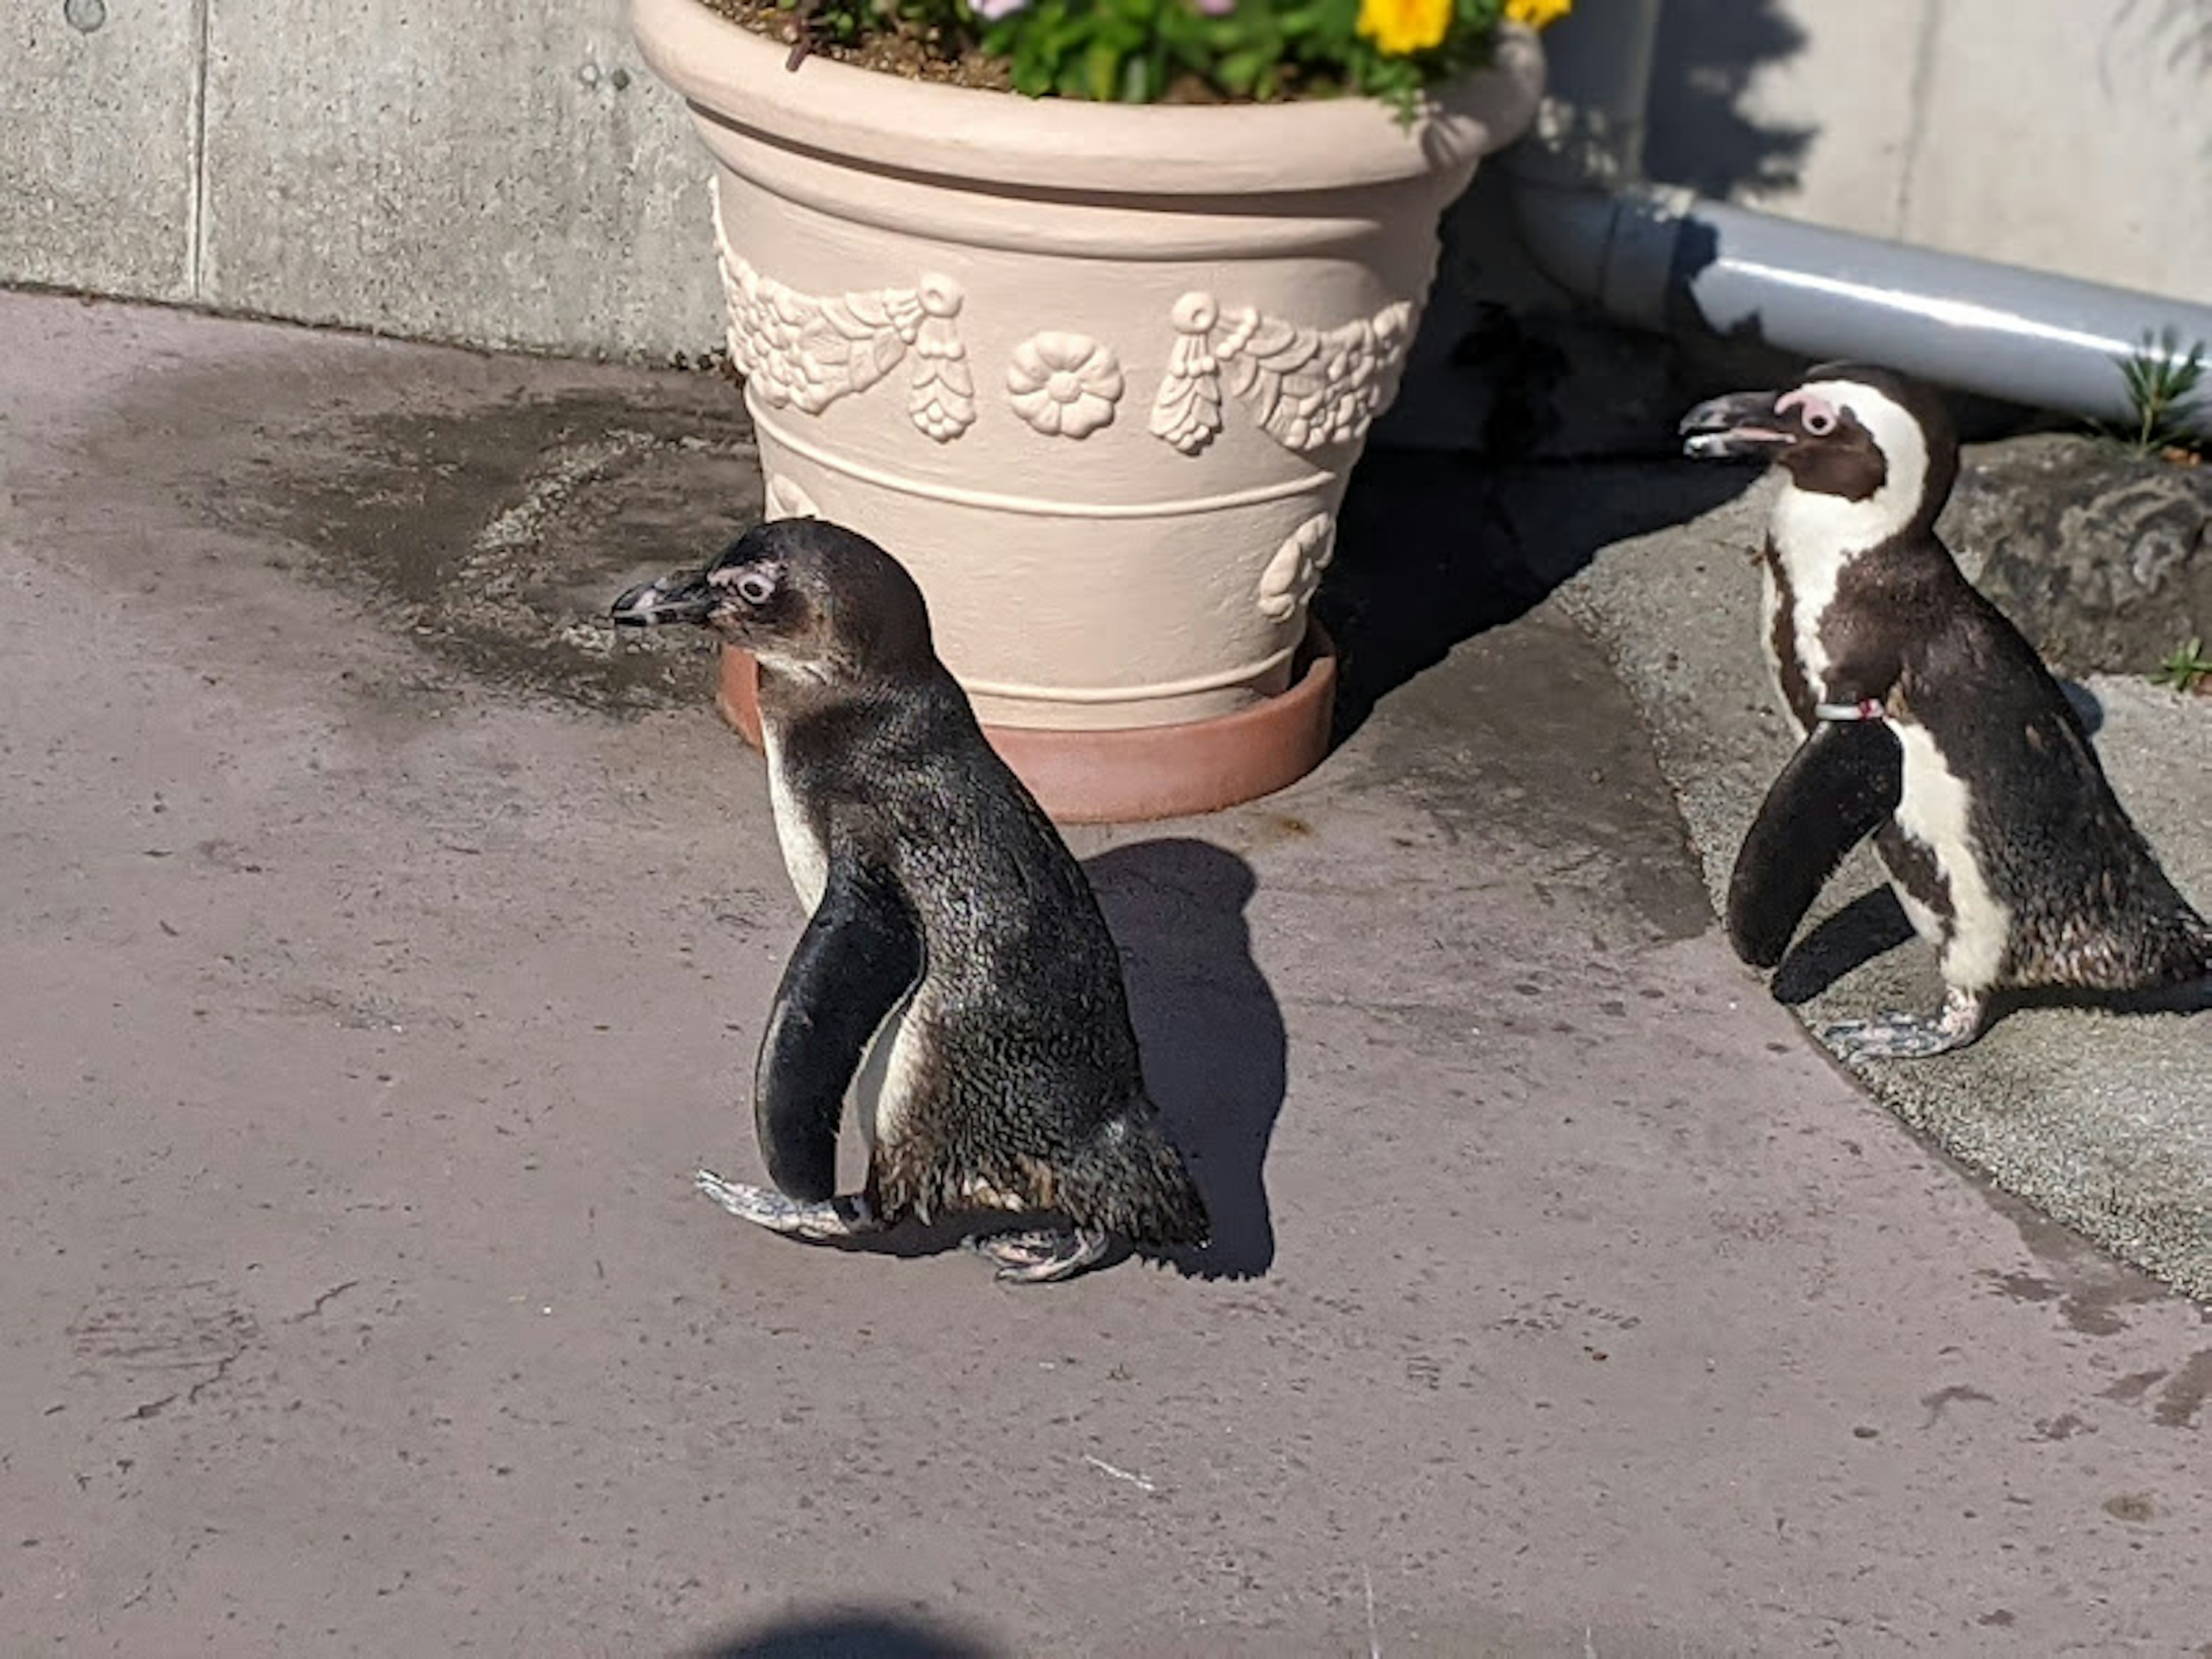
{"points": [[1216, 8]]}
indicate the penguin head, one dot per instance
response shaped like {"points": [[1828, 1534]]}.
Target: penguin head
{"points": [[805, 596], [1853, 432]]}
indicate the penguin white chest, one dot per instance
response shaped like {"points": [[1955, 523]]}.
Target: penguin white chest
{"points": [[1770, 609], [1936, 811], [806, 860], [1812, 557], [883, 1087]]}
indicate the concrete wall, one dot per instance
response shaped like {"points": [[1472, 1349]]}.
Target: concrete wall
{"points": [[507, 173], [2074, 135], [99, 147], [504, 173]]}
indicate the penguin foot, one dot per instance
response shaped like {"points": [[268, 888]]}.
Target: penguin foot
{"points": [[832, 1217], [1043, 1257], [1910, 1036]]}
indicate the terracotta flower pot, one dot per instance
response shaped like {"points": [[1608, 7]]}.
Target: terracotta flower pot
{"points": [[1095, 374]]}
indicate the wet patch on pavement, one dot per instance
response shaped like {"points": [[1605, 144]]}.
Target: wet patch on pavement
{"points": [[492, 521], [500, 535]]}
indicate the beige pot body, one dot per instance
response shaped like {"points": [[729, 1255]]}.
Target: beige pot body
{"points": [[1096, 374]]}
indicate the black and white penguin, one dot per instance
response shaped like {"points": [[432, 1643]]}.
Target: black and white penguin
{"points": [[1929, 723], [957, 973]]}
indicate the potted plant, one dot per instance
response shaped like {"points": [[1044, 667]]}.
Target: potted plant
{"points": [[1082, 309]]}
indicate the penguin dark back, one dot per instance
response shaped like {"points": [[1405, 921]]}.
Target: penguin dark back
{"points": [[955, 975]]}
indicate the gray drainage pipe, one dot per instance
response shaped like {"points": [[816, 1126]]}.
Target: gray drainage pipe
{"points": [[1669, 261]]}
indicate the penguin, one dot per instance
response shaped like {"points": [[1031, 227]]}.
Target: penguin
{"points": [[1930, 723], [955, 973]]}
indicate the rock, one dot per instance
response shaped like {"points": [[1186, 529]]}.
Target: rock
{"points": [[2101, 556]]}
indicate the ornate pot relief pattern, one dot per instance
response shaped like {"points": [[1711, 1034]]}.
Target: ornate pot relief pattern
{"points": [[1293, 574], [1306, 387], [1098, 394], [809, 350]]}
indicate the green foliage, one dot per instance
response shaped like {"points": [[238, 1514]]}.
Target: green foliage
{"points": [[2162, 380], [2185, 668], [1144, 51], [1139, 50]]}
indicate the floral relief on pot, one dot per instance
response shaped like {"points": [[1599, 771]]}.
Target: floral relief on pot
{"points": [[1307, 387], [1291, 575], [808, 350], [1064, 385]]}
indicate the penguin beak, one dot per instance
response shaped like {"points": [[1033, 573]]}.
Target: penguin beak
{"points": [[1741, 427], [682, 597]]}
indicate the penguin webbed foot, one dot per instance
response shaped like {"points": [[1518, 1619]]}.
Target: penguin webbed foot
{"points": [[1042, 1256], [1911, 1036], [827, 1219]]}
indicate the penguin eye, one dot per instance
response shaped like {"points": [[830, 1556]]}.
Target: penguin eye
{"points": [[1819, 422], [756, 587]]}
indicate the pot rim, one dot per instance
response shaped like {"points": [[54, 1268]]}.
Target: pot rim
{"points": [[735, 77]]}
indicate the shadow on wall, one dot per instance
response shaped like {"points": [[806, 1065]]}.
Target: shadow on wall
{"points": [[1211, 1031], [856, 1635], [1703, 59], [2179, 32]]}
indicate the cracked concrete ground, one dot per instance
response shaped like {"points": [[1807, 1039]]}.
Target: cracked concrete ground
{"points": [[385, 951]]}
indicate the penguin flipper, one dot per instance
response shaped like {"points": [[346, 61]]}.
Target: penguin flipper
{"points": [[857, 958], [1844, 780]]}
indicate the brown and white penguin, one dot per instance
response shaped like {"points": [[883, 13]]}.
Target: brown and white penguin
{"points": [[1929, 723], [957, 973]]}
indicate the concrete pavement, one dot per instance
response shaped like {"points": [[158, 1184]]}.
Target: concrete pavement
{"points": [[385, 951]]}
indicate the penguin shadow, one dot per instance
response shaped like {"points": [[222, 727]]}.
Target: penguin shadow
{"points": [[846, 1635], [1870, 925], [2085, 703], [1211, 1031], [2185, 999]]}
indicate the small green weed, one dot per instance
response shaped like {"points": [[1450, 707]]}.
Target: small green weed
{"points": [[2162, 380], [2187, 668]]}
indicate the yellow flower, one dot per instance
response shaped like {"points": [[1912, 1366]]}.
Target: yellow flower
{"points": [[1538, 14], [1403, 26]]}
